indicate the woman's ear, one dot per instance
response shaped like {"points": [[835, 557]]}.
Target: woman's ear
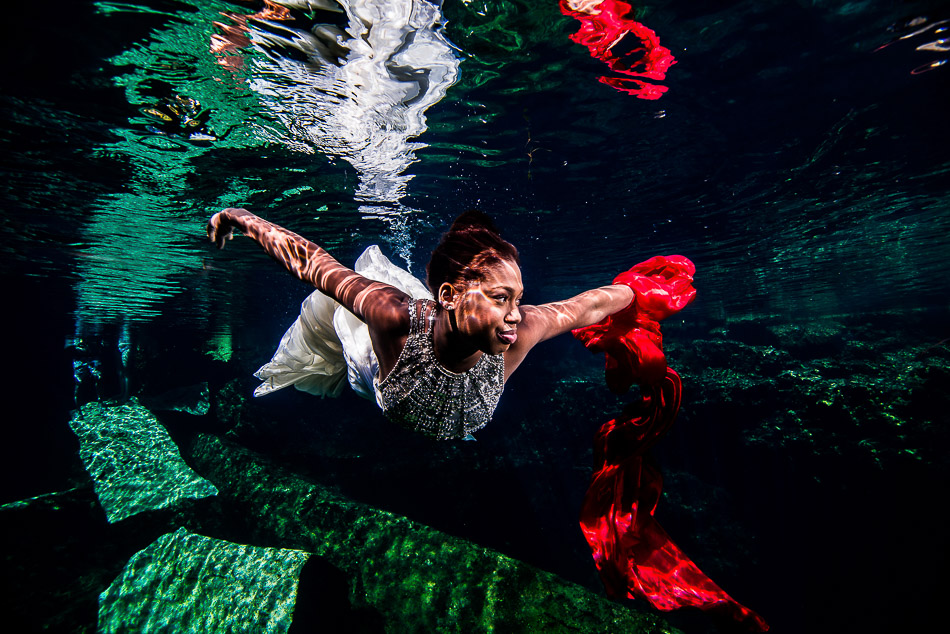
{"points": [[447, 295]]}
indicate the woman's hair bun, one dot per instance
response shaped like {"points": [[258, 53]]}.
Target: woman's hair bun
{"points": [[470, 247], [474, 219]]}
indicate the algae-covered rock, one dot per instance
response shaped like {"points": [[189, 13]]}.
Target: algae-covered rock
{"points": [[134, 464], [190, 583], [417, 578], [229, 405], [854, 385], [813, 340]]}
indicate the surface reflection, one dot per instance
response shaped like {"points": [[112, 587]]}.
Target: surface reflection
{"points": [[352, 79], [611, 34], [923, 28]]}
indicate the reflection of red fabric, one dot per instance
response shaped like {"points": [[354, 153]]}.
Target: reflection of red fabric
{"points": [[635, 556], [604, 24]]}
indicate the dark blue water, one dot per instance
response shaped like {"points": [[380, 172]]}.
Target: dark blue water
{"points": [[801, 166]]}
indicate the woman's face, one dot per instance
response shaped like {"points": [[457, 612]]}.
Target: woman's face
{"points": [[487, 310]]}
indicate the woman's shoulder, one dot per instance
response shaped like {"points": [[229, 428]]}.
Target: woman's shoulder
{"points": [[390, 312]]}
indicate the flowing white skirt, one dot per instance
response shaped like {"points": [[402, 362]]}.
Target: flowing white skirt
{"points": [[328, 343]]}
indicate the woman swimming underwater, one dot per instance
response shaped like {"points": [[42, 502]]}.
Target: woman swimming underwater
{"points": [[436, 364]]}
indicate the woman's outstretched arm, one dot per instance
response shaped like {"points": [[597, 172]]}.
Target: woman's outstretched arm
{"points": [[540, 323], [375, 303]]}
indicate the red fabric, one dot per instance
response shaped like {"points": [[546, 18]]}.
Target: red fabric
{"points": [[635, 556], [603, 25], [631, 338]]}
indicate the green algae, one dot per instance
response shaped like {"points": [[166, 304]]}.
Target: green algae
{"points": [[134, 464], [419, 579], [185, 582]]}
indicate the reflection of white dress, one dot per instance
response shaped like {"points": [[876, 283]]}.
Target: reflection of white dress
{"points": [[360, 92], [328, 342]]}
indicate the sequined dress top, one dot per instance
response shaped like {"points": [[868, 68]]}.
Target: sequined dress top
{"points": [[421, 395]]}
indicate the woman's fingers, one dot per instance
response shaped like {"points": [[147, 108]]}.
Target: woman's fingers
{"points": [[218, 230]]}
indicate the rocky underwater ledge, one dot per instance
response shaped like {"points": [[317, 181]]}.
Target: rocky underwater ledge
{"points": [[361, 569]]}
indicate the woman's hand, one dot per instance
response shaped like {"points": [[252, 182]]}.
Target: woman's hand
{"points": [[221, 225]]}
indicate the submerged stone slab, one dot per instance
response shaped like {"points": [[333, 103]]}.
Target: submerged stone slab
{"points": [[417, 578], [134, 464], [185, 582]]}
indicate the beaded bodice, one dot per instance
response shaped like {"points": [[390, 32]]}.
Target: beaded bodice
{"points": [[420, 395]]}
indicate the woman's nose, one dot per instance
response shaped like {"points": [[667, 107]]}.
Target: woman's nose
{"points": [[514, 317]]}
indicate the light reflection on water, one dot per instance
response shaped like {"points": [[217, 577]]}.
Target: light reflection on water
{"points": [[355, 123], [358, 94], [353, 82], [358, 90]]}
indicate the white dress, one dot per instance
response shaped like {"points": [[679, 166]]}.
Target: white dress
{"points": [[327, 343]]}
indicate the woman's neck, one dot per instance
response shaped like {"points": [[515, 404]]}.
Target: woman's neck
{"points": [[452, 350]]}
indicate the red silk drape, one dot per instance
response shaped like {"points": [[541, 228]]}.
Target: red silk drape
{"points": [[634, 555]]}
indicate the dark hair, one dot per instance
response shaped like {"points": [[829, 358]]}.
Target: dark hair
{"points": [[470, 246]]}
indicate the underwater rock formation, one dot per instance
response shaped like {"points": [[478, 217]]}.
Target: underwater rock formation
{"points": [[191, 583], [190, 399], [133, 462], [62, 553], [414, 576], [849, 386]]}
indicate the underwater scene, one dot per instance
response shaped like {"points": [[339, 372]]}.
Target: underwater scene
{"points": [[794, 152]]}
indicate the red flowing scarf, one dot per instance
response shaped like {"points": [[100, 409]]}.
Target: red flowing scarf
{"points": [[634, 555]]}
